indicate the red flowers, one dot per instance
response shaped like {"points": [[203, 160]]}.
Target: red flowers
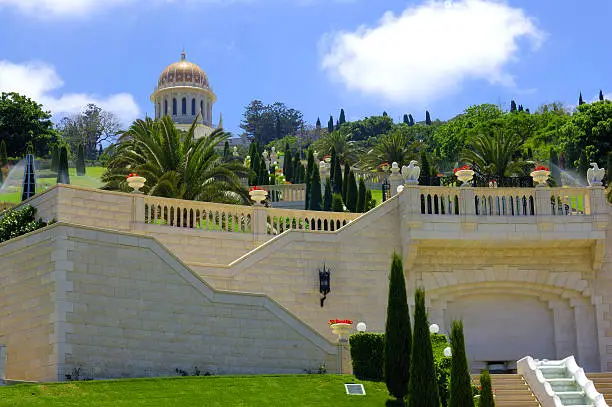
{"points": [[133, 174], [465, 167], [256, 189], [340, 321], [541, 168]]}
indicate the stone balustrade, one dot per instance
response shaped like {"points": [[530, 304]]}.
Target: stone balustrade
{"points": [[449, 201], [286, 192]]}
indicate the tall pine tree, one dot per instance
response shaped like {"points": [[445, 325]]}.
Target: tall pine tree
{"points": [[601, 95], [361, 197], [264, 176], [398, 334], [385, 114], [296, 168], [288, 164], [80, 161], [327, 199], [427, 118], [461, 381], [423, 391], [226, 150], [315, 191], [411, 120], [425, 177], [330, 125], [318, 125], [351, 193], [406, 120], [512, 106], [580, 101], [341, 119], [334, 159], [337, 186], [55, 158]]}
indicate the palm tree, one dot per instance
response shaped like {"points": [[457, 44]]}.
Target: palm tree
{"points": [[496, 154], [393, 147], [175, 164], [340, 140]]}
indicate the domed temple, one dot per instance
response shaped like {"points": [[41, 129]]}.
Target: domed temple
{"points": [[184, 93]]}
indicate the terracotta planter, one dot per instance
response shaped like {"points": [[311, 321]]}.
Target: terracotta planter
{"points": [[540, 177], [136, 183], [464, 176]]}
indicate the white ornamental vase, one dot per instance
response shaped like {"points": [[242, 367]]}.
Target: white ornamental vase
{"points": [[258, 196], [464, 176], [136, 183], [540, 177], [341, 329]]}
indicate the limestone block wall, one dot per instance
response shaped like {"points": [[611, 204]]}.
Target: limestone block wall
{"points": [[286, 269], [602, 288], [27, 307], [133, 309]]}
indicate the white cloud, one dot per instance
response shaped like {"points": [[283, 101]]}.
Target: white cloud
{"points": [[429, 50], [39, 81]]}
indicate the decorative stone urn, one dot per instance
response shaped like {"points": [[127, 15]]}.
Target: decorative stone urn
{"points": [[258, 196], [464, 176], [136, 182], [540, 176], [342, 329]]}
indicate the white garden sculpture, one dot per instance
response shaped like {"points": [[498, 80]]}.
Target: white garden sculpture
{"points": [[411, 173], [595, 175]]}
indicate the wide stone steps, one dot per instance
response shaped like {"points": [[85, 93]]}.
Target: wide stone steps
{"points": [[510, 391], [603, 384]]}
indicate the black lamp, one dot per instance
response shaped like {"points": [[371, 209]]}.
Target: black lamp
{"points": [[324, 283]]}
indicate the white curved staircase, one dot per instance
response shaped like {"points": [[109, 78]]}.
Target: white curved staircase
{"points": [[560, 383]]}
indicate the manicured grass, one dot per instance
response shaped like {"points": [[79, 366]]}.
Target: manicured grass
{"points": [[377, 194], [212, 391], [46, 179]]}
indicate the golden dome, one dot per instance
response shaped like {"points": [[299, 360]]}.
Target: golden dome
{"points": [[183, 73]]}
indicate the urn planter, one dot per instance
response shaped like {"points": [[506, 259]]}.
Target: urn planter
{"points": [[540, 177], [136, 183], [341, 329], [464, 176], [258, 196]]}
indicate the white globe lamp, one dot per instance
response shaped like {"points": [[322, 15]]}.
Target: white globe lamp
{"points": [[361, 327], [434, 328], [448, 352]]}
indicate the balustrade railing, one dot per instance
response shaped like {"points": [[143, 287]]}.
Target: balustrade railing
{"points": [[439, 201], [236, 218], [286, 192], [504, 202], [570, 201]]}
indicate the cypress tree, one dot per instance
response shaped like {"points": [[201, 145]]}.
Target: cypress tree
{"points": [[425, 177], [327, 201], [351, 193], [601, 95], [370, 203], [486, 391], [337, 203], [334, 159], [461, 381], [254, 179], [411, 123], [385, 114], [580, 101], [554, 166], [423, 390], [398, 335], [226, 149], [62, 171], [315, 191], [301, 178], [54, 158], [264, 177], [3, 156], [309, 166], [345, 182], [80, 161], [361, 197], [330, 124], [520, 108], [252, 153], [296, 168], [100, 151], [337, 176], [287, 164], [427, 118], [512, 106], [318, 125], [527, 111], [341, 119]]}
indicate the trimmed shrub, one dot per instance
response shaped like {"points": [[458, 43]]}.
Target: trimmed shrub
{"points": [[80, 161], [62, 171], [367, 352], [351, 193], [345, 182], [327, 200], [486, 391], [398, 335], [315, 191], [17, 222], [54, 158], [337, 204], [3, 156], [361, 197]]}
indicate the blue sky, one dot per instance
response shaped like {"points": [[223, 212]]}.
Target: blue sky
{"points": [[314, 55]]}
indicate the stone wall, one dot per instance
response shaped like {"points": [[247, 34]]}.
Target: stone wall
{"points": [[133, 309]]}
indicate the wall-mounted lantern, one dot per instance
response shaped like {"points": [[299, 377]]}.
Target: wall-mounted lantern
{"points": [[324, 283]]}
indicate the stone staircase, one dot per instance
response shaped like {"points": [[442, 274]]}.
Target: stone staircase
{"points": [[560, 383], [511, 390], [603, 384]]}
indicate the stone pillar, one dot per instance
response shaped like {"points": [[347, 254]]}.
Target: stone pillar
{"points": [[542, 202], [138, 205], [467, 204], [395, 179], [410, 201], [597, 201], [259, 224]]}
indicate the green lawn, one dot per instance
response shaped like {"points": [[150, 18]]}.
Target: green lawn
{"points": [[212, 391], [47, 179]]}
